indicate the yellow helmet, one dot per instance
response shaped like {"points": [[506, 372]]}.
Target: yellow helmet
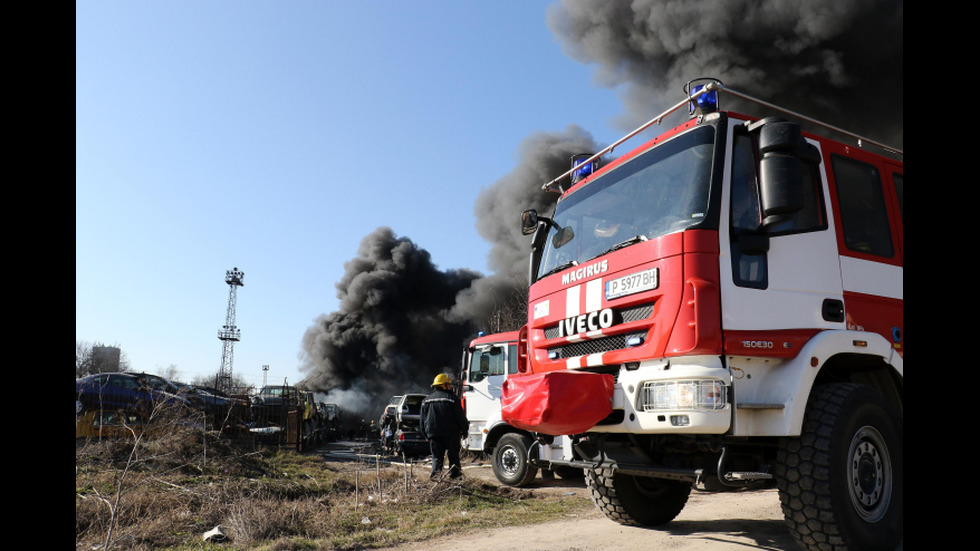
{"points": [[441, 379]]}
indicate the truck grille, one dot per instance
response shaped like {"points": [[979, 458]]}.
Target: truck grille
{"points": [[632, 313], [593, 346]]}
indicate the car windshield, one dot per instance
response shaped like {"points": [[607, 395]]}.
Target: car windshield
{"points": [[663, 190], [159, 383]]}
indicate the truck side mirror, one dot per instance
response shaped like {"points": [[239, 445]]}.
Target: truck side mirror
{"points": [[529, 221], [783, 153]]}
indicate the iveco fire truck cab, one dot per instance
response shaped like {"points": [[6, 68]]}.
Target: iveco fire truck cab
{"points": [[725, 303]]}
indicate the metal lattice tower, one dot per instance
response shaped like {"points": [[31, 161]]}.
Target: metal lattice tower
{"points": [[229, 333]]}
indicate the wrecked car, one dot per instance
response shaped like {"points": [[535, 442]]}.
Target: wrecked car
{"points": [[400, 427], [125, 391]]}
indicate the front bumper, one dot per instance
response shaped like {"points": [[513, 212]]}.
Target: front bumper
{"points": [[671, 396]]}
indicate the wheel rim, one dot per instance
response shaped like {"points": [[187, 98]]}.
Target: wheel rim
{"points": [[509, 461], [869, 474]]}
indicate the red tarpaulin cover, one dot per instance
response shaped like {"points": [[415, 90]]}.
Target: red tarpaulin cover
{"points": [[557, 402]]}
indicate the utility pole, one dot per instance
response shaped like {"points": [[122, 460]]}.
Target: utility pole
{"points": [[229, 334]]}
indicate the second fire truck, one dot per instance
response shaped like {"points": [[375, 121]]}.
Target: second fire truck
{"points": [[515, 454]]}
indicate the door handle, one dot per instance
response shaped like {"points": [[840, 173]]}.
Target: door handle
{"points": [[832, 310]]}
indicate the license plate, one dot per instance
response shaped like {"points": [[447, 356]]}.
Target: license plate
{"points": [[633, 283]]}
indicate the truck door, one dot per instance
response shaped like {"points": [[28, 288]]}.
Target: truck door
{"points": [[485, 377], [786, 276], [867, 199]]}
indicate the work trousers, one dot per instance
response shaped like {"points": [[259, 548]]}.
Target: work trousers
{"points": [[449, 446]]}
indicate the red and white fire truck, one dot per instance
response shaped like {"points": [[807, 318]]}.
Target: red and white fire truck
{"points": [[723, 304], [516, 455]]}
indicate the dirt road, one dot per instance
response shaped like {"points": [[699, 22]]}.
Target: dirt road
{"points": [[709, 522]]}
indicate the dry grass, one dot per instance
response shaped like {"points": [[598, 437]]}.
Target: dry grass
{"points": [[166, 491]]}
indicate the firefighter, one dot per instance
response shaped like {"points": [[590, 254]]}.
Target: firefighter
{"points": [[443, 424]]}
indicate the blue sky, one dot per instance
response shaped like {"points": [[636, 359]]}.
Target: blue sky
{"points": [[274, 136]]}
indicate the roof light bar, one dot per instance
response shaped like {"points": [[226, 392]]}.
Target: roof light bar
{"points": [[703, 99]]}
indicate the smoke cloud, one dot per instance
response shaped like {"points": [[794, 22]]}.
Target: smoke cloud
{"points": [[839, 62], [401, 320], [541, 157], [392, 333]]}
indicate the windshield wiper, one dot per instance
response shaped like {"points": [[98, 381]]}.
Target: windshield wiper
{"points": [[568, 264], [622, 245]]}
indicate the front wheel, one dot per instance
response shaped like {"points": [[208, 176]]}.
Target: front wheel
{"points": [[636, 500], [510, 460], [841, 481]]}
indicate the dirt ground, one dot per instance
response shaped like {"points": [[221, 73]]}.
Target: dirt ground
{"points": [[709, 522]]}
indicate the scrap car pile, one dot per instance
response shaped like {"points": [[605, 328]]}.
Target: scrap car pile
{"points": [[117, 404]]}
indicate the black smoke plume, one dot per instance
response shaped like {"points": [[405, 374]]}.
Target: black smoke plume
{"points": [[402, 320], [392, 333], [838, 61], [541, 157]]}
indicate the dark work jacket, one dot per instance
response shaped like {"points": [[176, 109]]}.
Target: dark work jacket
{"points": [[443, 416]]}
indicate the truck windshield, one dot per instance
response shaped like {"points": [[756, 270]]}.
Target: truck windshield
{"points": [[663, 190]]}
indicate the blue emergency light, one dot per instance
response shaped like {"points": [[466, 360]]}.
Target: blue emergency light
{"points": [[705, 103], [585, 170]]}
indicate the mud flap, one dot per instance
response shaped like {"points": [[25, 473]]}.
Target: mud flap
{"points": [[557, 402]]}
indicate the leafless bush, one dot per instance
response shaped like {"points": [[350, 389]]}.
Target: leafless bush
{"points": [[166, 486]]}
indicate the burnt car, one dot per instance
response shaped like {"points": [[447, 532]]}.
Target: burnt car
{"points": [[409, 408], [332, 420], [125, 391], [400, 426]]}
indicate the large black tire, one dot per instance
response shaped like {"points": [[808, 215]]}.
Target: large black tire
{"points": [[510, 460], [636, 500], [841, 481]]}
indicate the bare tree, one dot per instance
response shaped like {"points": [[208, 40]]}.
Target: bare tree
{"points": [[98, 358], [238, 384], [171, 373], [83, 358], [510, 311]]}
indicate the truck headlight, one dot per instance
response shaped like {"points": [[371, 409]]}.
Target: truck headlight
{"points": [[695, 394]]}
